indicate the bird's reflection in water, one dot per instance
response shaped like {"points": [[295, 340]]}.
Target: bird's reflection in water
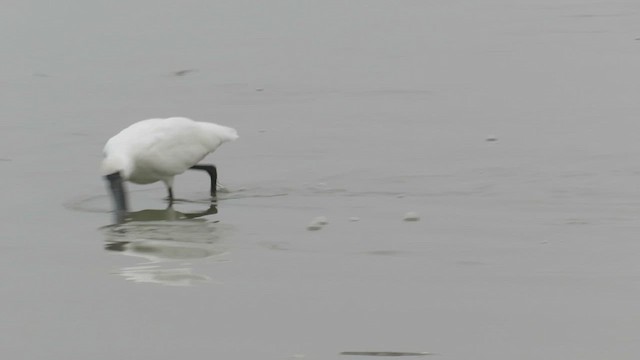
{"points": [[168, 240], [168, 214]]}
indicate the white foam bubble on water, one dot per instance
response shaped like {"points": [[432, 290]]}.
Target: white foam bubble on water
{"points": [[411, 216]]}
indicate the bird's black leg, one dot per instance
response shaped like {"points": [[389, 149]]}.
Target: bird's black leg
{"points": [[213, 174]]}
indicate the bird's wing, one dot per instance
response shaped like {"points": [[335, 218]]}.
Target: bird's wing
{"points": [[167, 147], [171, 146]]}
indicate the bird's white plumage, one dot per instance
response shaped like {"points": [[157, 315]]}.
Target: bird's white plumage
{"points": [[158, 149]]}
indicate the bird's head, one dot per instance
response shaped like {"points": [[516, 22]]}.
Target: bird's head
{"points": [[116, 163]]}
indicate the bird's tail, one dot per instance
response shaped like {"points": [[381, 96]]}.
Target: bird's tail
{"points": [[224, 133]]}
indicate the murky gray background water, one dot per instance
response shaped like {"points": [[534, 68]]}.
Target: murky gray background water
{"points": [[527, 246]]}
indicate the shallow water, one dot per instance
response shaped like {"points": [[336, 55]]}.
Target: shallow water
{"points": [[509, 128]]}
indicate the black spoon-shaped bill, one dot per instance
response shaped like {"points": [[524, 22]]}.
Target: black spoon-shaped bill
{"points": [[116, 185]]}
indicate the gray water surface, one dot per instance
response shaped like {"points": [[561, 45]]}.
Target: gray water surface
{"points": [[510, 128]]}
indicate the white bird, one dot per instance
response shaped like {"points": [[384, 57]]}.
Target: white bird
{"points": [[159, 149]]}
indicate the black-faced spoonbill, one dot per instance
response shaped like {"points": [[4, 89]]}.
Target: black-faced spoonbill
{"points": [[159, 149]]}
